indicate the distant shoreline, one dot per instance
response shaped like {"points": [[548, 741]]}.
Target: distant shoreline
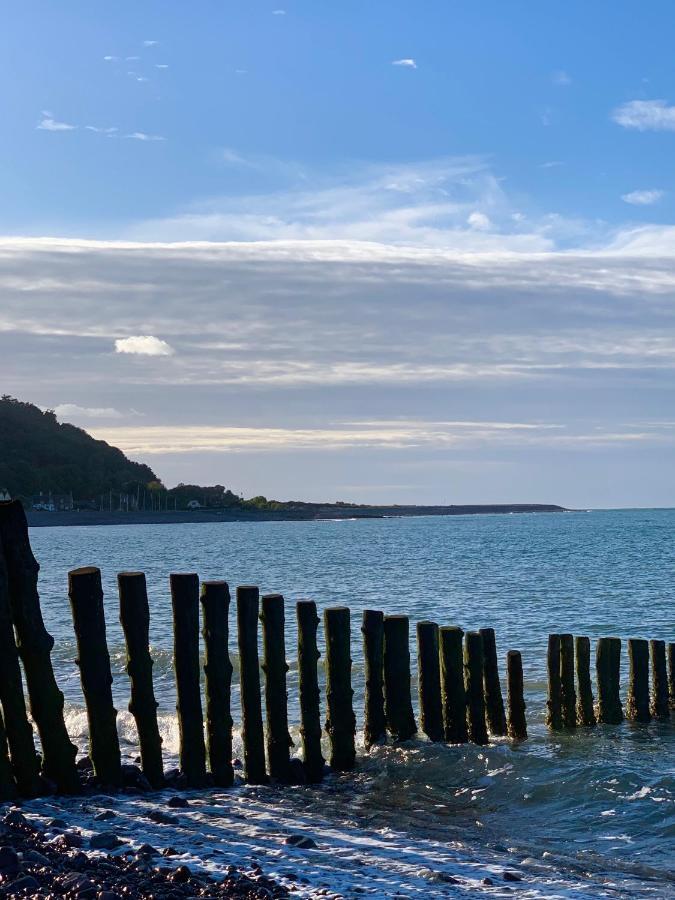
{"points": [[42, 519]]}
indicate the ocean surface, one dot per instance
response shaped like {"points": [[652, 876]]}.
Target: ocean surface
{"points": [[584, 814]]}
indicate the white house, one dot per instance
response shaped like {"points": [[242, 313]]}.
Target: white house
{"points": [[4, 495], [194, 504]]}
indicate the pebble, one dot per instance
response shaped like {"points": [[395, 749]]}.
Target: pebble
{"points": [[162, 818], [177, 802], [301, 841], [105, 840], [511, 876], [105, 815]]}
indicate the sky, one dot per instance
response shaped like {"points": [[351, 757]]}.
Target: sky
{"points": [[376, 252]]}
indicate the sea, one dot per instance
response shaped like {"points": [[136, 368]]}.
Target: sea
{"points": [[588, 813]]}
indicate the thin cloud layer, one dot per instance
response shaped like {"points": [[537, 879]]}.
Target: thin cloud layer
{"points": [[646, 115]]}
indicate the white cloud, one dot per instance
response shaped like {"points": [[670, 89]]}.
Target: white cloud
{"points": [[479, 221], [406, 63], [642, 198], [111, 58], [561, 78], [278, 12], [132, 58], [552, 164], [150, 43], [646, 115], [161, 66], [142, 136], [143, 345], [49, 123], [73, 411], [95, 128]]}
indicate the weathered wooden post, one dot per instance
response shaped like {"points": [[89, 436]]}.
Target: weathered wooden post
{"points": [[275, 668], [340, 719], [185, 605], [517, 725], [494, 703], [671, 674], [567, 690], [35, 644], [215, 600], [25, 761], [429, 680], [660, 706], [453, 693], [554, 702], [7, 783], [310, 698], [86, 602], [135, 621], [608, 668], [249, 679], [375, 723], [637, 700], [473, 675], [397, 697], [582, 654]]}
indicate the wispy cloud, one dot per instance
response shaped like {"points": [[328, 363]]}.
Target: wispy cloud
{"points": [[74, 411], [132, 58], [49, 123], [143, 345], [645, 115], [407, 63], [551, 164], [150, 43], [642, 198], [98, 130], [111, 58], [161, 66], [561, 78], [278, 12], [143, 136]]}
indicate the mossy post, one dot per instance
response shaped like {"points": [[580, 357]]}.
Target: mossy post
{"points": [[215, 600], [582, 659], [397, 697], [7, 783], [25, 761], [86, 603], [453, 693], [340, 718], [671, 675], [517, 725], [554, 718], [637, 699], [275, 668], [473, 680], [375, 723], [185, 604], [248, 599], [608, 668], [34, 645], [660, 705], [429, 680], [567, 689], [310, 698], [135, 621], [494, 703]]}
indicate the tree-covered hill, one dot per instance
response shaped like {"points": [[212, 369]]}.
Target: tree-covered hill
{"points": [[40, 454]]}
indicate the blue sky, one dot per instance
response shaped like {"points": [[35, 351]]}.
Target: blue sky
{"points": [[353, 251]]}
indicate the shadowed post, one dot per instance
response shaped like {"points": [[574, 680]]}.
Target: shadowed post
{"points": [[517, 725], [275, 668], [554, 702], [34, 645], [397, 697], [453, 693], [249, 679], [473, 680], [429, 680], [86, 602], [568, 692], [582, 659], [185, 603], [215, 600], [671, 675], [340, 719], [375, 724], [7, 784], [135, 620], [494, 704], [660, 706], [310, 698], [608, 669], [637, 699]]}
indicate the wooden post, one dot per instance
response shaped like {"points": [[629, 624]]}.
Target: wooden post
{"points": [[453, 693], [494, 704], [186, 663], [375, 723], [582, 654], [310, 699], [135, 621], [215, 600], [568, 693], [25, 761], [554, 702], [517, 725], [473, 675], [608, 667], [249, 679], [397, 697], [86, 602], [660, 706], [35, 644], [429, 680], [7, 784], [340, 720], [275, 668], [671, 675], [637, 700]]}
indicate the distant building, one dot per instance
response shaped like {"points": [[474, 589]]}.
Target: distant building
{"points": [[52, 502], [194, 504], [4, 495]]}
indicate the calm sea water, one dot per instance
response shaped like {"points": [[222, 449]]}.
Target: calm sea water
{"points": [[599, 801]]}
